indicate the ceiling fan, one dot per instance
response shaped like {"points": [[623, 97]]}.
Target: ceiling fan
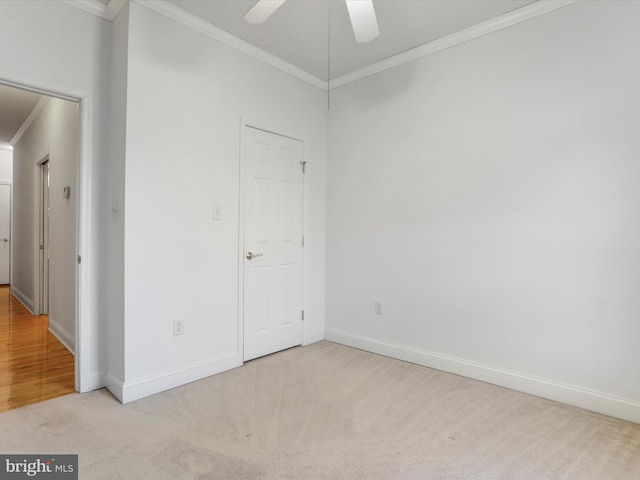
{"points": [[361, 13]]}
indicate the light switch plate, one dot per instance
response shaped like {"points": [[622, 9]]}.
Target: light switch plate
{"points": [[217, 212], [377, 308]]}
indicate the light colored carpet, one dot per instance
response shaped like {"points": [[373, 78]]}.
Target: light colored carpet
{"points": [[327, 411]]}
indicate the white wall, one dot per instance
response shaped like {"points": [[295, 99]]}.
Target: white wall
{"points": [[488, 196], [114, 307], [186, 94], [24, 262], [54, 133], [62, 48], [6, 165]]}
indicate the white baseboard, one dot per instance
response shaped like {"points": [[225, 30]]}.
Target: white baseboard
{"points": [[143, 387], [313, 337], [23, 299], [114, 385], [96, 381], [572, 395], [65, 337]]}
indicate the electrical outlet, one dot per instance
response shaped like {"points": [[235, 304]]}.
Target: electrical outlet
{"points": [[377, 308], [178, 327]]}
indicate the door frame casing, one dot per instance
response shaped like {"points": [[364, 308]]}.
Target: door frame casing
{"points": [[283, 132], [41, 236], [85, 304]]}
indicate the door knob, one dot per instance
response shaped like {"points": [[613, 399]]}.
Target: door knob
{"points": [[251, 255], [5, 239]]}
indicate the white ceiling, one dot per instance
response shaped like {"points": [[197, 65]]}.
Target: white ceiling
{"points": [[298, 32], [15, 107]]}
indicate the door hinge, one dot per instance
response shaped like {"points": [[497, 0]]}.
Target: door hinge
{"points": [[303, 315], [79, 259], [304, 167], [303, 240]]}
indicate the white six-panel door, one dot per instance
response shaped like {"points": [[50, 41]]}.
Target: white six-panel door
{"points": [[272, 254], [5, 232]]}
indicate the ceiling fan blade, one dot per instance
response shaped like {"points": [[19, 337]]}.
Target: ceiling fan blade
{"points": [[262, 10], [363, 20]]}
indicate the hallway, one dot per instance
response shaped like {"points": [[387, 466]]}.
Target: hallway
{"points": [[34, 365]]}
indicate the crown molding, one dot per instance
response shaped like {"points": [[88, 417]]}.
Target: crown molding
{"points": [[169, 10], [114, 7], [30, 119], [503, 21], [108, 11], [185, 18], [6, 147]]}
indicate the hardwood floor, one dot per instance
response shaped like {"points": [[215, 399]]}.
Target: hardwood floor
{"points": [[34, 365]]}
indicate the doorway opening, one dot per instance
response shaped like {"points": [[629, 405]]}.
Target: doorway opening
{"points": [[42, 132]]}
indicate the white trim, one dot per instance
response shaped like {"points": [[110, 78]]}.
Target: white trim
{"points": [[38, 227], [29, 84], [305, 258], [503, 21], [169, 10], [114, 7], [7, 148], [108, 12], [23, 299], [241, 211], [196, 23], [44, 157], [570, 394], [66, 338], [85, 299], [143, 387], [114, 385], [313, 337], [42, 102], [522, 14], [96, 381], [85, 380]]}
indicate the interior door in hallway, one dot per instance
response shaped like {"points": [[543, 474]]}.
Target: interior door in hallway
{"points": [[44, 237], [273, 197], [5, 233]]}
